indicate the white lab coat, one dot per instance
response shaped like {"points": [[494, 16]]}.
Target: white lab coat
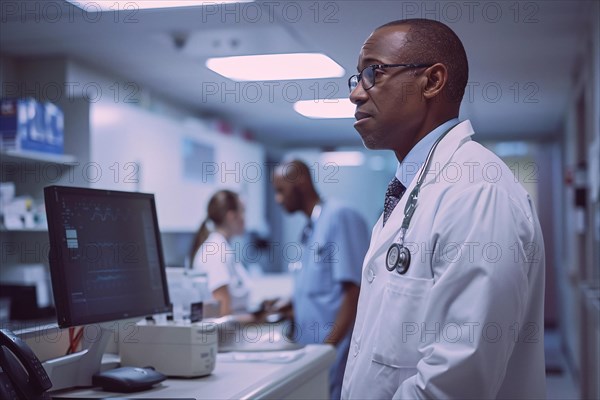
{"points": [[466, 320]]}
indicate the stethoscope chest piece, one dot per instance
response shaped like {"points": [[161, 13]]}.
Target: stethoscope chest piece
{"points": [[398, 258]]}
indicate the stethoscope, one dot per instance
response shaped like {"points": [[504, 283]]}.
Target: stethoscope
{"points": [[307, 233], [398, 256]]}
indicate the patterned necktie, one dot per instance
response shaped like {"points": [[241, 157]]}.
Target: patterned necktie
{"points": [[393, 194]]}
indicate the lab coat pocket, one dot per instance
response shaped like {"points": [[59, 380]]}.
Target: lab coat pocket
{"points": [[400, 320]]}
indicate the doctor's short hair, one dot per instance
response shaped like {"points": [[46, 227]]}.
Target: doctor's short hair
{"points": [[428, 42], [293, 170]]}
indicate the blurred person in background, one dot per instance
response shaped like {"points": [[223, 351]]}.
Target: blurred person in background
{"points": [[212, 253], [327, 277]]}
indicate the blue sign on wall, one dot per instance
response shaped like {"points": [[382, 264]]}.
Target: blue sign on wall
{"points": [[26, 124]]}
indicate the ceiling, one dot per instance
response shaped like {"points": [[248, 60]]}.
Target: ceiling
{"points": [[521, 54]]}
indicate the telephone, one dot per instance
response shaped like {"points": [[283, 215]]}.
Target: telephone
{"points": [[22, 376]]}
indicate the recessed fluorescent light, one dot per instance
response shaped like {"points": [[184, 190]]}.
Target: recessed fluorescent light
{"points": [[511, 149], [274, 67], [105, 115], [326, 108], [119, 5], [342, 158]]}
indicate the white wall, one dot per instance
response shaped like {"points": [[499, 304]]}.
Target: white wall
{"points": [[138, 150], [136, 143]]}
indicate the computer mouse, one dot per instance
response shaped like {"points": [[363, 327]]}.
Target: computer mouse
{"points": [[127, 379]]}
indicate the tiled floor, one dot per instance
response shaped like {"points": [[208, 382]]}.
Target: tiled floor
{"points": [[559, 382]]}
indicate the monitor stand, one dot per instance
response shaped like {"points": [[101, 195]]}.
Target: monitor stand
{"points": [[76, 370]]}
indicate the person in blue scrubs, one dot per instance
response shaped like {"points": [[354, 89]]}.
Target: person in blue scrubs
{"points": [[327, 276]]}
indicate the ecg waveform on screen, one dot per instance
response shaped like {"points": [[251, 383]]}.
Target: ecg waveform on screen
{"points": [[108, 278], [115, 282], [105, 214], [95, 211]]}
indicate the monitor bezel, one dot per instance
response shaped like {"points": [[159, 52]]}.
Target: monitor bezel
{"points": [[64, 312]]}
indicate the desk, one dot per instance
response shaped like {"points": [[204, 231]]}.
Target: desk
{"points": [[304, 378]]}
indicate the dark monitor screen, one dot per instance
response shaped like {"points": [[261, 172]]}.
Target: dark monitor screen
{"points": [[106, 259]]}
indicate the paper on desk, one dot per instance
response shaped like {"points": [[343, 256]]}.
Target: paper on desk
{"points": [[278, 357]]}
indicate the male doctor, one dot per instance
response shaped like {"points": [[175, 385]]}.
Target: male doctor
{"points": [[451, 299]]}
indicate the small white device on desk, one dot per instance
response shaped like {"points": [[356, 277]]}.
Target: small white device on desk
{"points": [[178, 349]]}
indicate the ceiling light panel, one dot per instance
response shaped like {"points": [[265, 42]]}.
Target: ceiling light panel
{"points": [[275, 67], [325, 108], [342, 158], [116, 5]]}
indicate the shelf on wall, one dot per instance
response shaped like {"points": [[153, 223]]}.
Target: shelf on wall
{"points": [[35, 157], [35, 229]]}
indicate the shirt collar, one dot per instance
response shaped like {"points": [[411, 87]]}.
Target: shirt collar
{"points": [[316, 212], [408, 168]]}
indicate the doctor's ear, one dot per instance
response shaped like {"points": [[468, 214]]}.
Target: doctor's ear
{"points": [[437, 78]]}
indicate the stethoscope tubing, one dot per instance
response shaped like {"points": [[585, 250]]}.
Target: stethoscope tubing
{"points": [[398, 256]]}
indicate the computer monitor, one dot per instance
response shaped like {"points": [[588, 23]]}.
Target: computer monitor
{"points": [[106, 265]]}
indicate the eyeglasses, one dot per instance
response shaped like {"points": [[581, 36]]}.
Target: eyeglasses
{"points": [[367, 75]]}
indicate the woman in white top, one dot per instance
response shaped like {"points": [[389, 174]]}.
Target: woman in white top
{"points": [[212, 253]]}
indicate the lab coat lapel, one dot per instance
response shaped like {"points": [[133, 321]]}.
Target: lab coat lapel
{"points": [[384, 236], [374, 237]]}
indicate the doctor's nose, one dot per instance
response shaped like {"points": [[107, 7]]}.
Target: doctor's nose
{"points": [[358, 95]]}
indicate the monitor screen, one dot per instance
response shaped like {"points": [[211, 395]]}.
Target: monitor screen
{"points": [[106, 259]]}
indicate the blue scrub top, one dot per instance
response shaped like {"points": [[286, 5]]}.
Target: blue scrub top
{"points": [[333, 254]]}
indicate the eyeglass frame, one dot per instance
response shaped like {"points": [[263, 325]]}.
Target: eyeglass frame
{"points": [[379, 66]]}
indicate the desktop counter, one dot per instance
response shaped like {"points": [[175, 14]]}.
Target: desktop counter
{"points": [[297, 374]]}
